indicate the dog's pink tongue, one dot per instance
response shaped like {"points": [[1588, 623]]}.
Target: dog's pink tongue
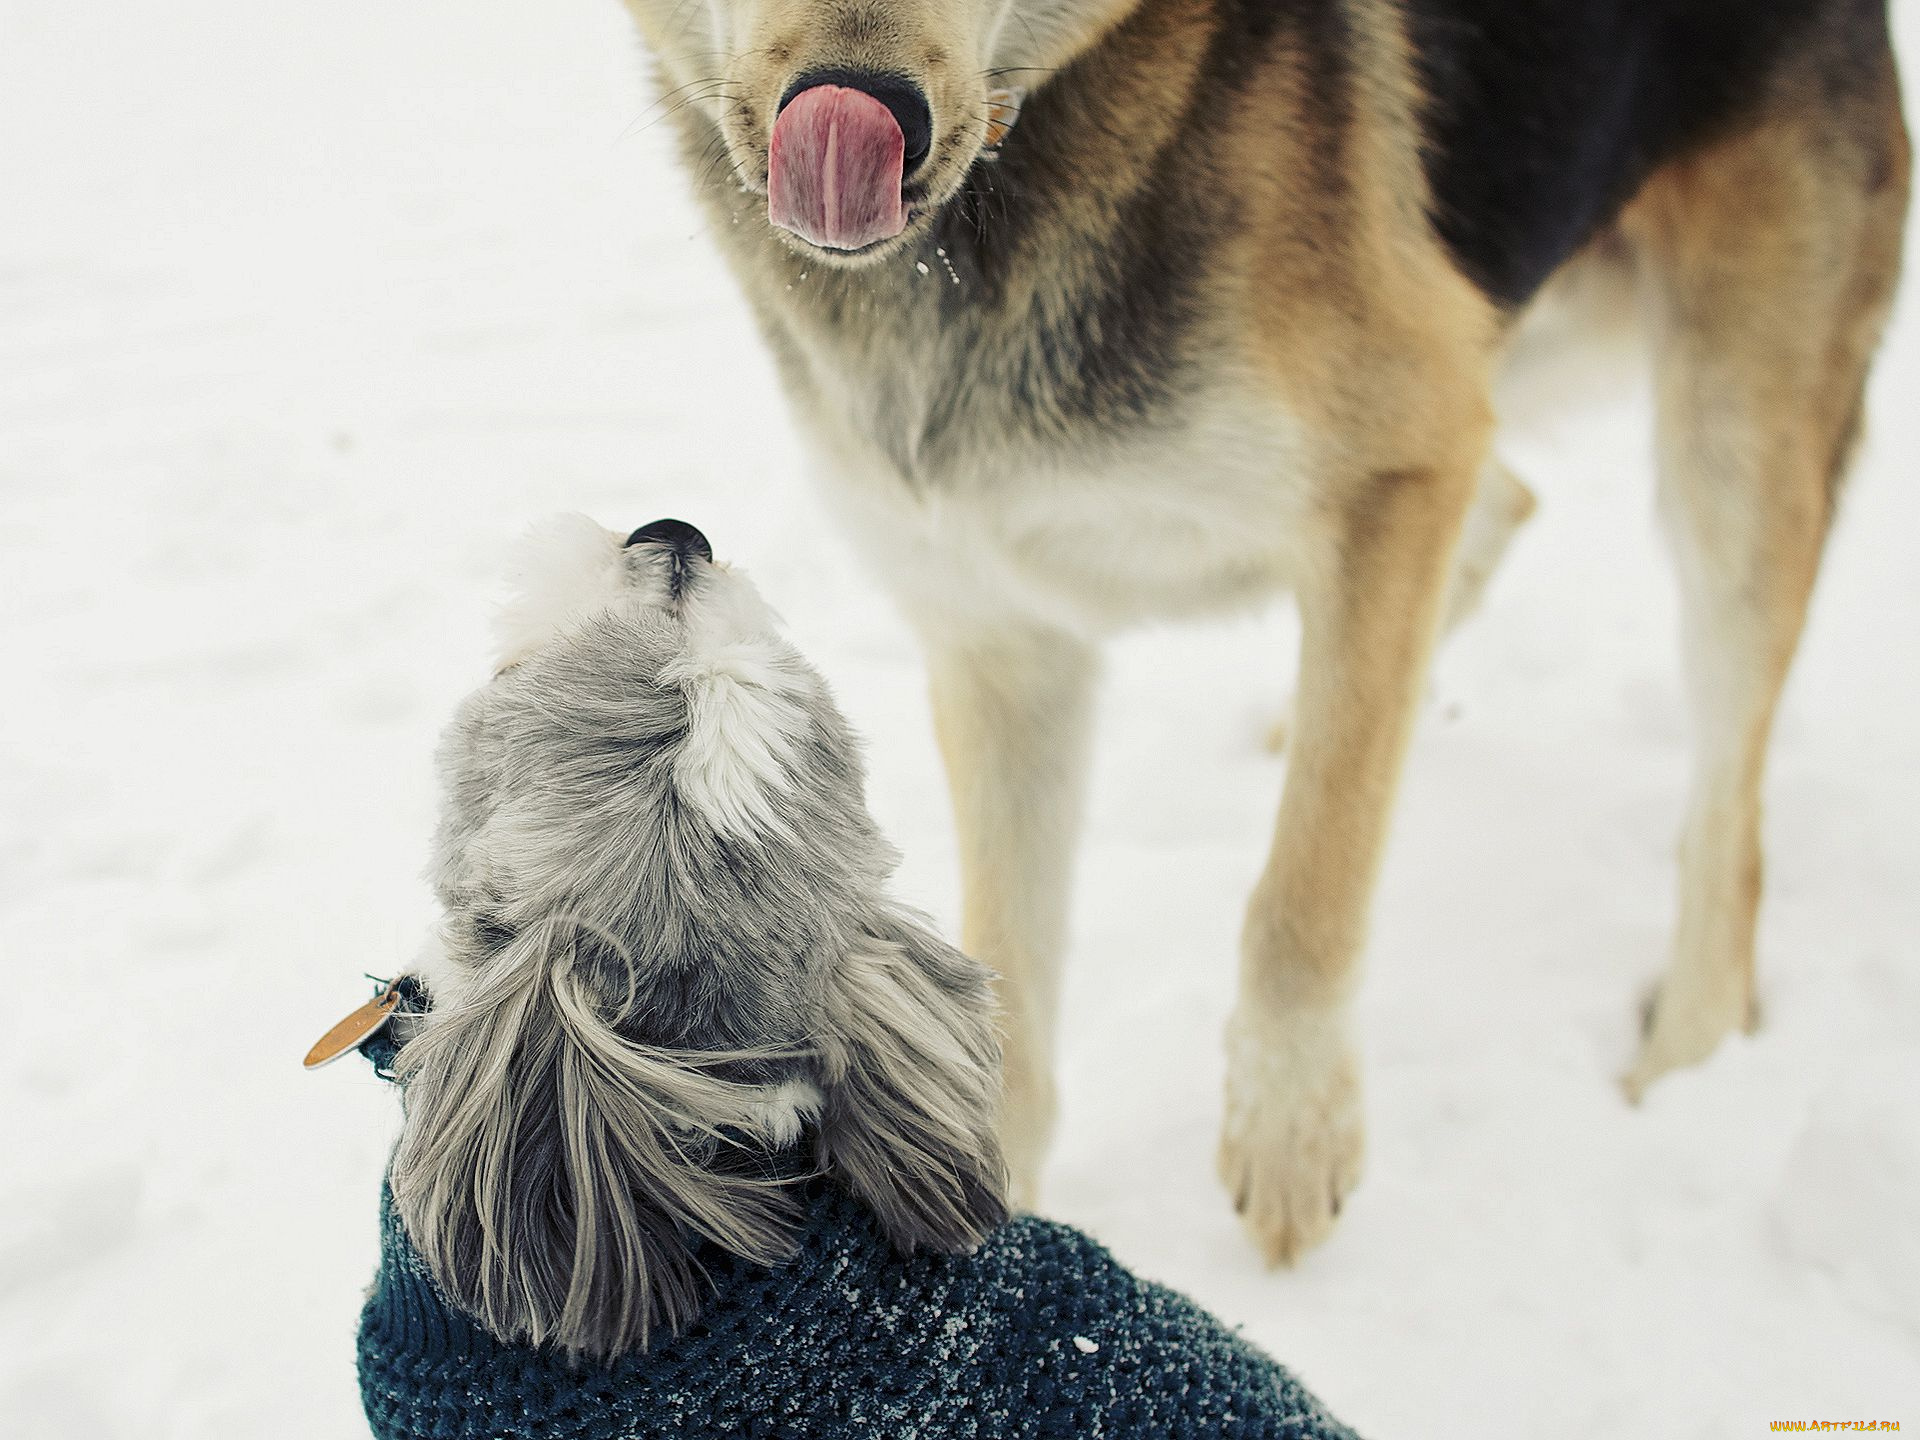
{"points": [[834, 173]]}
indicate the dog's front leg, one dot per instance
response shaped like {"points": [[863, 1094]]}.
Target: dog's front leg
{"points": [[1292, 1142], [1013, 709]]}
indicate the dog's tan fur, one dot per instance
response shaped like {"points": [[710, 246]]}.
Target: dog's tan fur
{"points": [[1033, 455]]}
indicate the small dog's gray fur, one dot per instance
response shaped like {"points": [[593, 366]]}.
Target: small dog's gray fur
{"points": [[639, 1003]]}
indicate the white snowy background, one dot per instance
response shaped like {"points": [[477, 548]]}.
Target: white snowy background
{"points": [[307, 309]]}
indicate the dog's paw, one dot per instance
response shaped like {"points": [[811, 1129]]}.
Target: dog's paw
{"points": [[1294, 1138], [1682, 1025]]}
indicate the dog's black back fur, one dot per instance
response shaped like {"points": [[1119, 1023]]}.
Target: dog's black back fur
{"points": [[1546, 115]]}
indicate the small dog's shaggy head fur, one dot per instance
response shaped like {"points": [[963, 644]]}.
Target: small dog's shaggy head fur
{"points": [[668, 979]]}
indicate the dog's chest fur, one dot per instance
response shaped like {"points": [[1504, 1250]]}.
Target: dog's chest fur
{"points": [[997, 457], [980, 496]]}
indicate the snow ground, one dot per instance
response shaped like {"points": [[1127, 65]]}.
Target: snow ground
{"points": [[306, 309]]}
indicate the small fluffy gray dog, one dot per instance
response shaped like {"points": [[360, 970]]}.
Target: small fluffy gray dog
{"points": [[667, 934], [699, 1128]]}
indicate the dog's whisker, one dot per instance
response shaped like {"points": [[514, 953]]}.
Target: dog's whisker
{"points": [[715, 90], [676, 95]]}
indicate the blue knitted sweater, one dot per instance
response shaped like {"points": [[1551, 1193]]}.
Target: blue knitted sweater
{"points": [[1038, 1333]]}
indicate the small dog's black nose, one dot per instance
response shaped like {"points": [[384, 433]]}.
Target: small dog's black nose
{"points": [[676, 535], [899, 94]]}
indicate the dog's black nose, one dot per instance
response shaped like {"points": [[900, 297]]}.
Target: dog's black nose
{"points": [[676, 535], [899, 94]]}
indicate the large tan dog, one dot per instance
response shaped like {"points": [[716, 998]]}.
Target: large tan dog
{"points": [[1216, 319]]}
